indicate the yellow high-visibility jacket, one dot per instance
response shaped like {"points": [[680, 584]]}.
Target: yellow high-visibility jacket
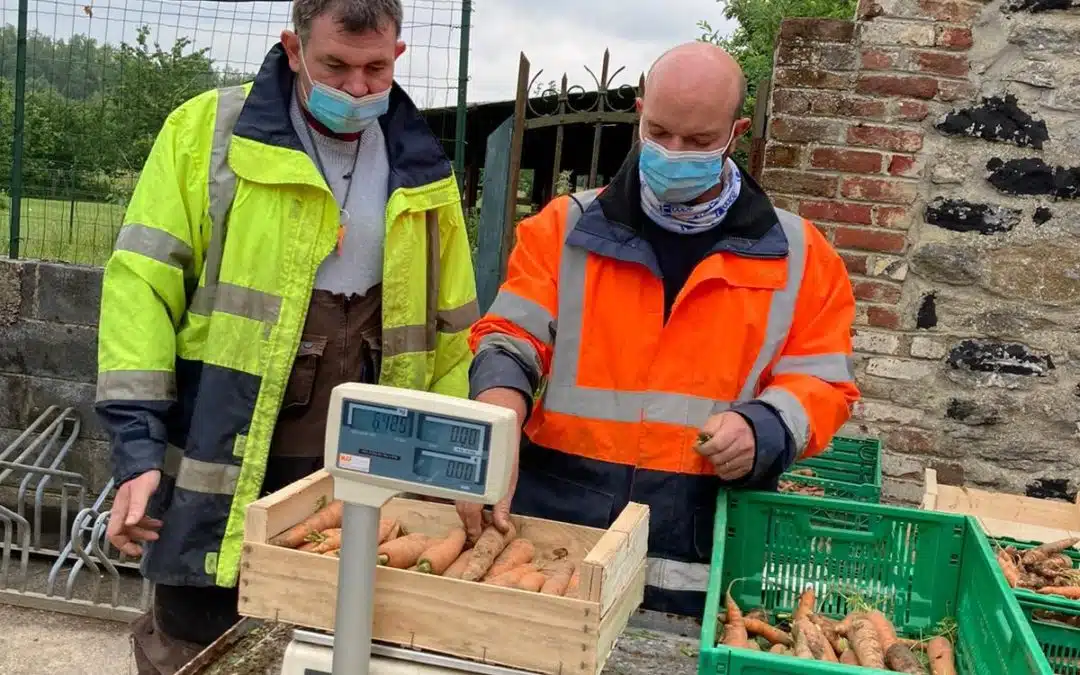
{"points": [[205, 297]]}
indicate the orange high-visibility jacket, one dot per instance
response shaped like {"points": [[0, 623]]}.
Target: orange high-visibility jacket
{"points": [[762, 327]]}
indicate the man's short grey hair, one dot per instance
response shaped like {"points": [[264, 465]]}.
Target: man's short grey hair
{"points": [[355, 16]]}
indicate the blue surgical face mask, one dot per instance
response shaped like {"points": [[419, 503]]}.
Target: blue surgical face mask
{"points": [[339, 111], [679, 177]]}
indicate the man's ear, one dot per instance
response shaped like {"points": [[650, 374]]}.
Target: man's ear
{"points": [[399, 49], [291, 42], [742, 126], [638, 105]]}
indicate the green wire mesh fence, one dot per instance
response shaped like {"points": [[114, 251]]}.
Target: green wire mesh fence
{"points": [[86, 84]]}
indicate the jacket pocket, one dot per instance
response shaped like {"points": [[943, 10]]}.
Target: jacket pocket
{"points": [[302, 379], [541, 494]]}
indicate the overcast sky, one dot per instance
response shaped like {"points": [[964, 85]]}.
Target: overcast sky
{"points": [[556, 35]]}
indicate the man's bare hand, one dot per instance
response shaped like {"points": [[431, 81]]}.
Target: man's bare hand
{"points": [[729, 446], [128, 522], [472, 513]]}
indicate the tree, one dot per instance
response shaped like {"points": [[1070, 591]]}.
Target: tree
{"points": [[754, 39]]}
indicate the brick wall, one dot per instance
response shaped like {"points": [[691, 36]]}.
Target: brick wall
{"points": [[937, 143], [48, 356]]}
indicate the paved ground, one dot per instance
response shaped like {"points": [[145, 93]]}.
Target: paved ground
{"points": [[33, 642]]}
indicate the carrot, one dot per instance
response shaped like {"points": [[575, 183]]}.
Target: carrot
{"points": [[326, 517], [559, 579], [307, 546], [779, 649], [518, 552], [940, 652], [512, 577], [735, 631], [404, 551], [1044, 551], [772, 634], [331, 540], [572, 587], [1070, 592], [885, 631], [801, 649], [753, 646], [848, 657], [828, 629], [533, 581], [866, 643], [1008, 567], [900, 660], [441, 554], [805, 606], [389, 528], [489, 545], [458, 566], [819, 647]]}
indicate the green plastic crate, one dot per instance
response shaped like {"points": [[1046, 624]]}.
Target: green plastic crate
{"points": [[849, 469], [920, 567], [1060, 642]]}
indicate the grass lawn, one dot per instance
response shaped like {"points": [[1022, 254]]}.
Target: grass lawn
{"points": [[63, 231]]}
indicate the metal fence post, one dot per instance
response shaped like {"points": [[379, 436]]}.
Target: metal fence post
{"points": [[462, 94], [17, 131]]}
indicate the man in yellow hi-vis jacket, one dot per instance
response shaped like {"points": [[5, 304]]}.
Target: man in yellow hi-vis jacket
{"points": [[285, 235]]}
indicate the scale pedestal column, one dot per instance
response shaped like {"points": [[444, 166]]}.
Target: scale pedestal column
{"points": [[356, 589]]}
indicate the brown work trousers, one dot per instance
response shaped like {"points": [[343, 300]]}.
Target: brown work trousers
{"points": [[340, 343]]}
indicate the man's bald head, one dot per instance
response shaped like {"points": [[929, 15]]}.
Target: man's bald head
{"points": [[693, 92]]}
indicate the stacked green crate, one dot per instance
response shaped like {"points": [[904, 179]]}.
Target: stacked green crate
{"points": [[921, 568], [849, 469]]}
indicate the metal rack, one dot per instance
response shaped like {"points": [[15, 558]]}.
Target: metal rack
{"points": [[69, 567]]}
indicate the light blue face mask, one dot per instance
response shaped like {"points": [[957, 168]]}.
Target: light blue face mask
{"points": [[679, 177], [339, 111]]}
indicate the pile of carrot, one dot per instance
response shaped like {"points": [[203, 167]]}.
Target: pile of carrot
{"points": [[863, 638], [496, 558], [796, 487], [1044, 569]]}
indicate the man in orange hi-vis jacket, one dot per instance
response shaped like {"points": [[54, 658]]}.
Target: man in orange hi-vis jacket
{"points": [[676, 301]]}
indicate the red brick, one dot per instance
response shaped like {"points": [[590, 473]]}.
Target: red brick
{"points": [[951, 65], [914, 86], [790, 101], [883, 317], [903, 165], [876, 291], [795, 130], [886, 138], [892, 217], [879, 190], [856, 263], [801, 182], [949, 11], [952, 90], [811, 78], [787, 156], [880, 59], [870, 240], [834, 104], [868, 9], [822, 30], [915, 111], [950, 37], [850, 161], [837, 212]]}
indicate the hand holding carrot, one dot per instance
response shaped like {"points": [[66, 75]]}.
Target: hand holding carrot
{"points": [[727, 441], [471, 513]]}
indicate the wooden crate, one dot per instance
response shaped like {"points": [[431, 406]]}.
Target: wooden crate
{"points": [[507, 627], [1005, 515]]}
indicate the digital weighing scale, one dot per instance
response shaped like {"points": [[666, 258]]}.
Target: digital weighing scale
{"points": [[381, 442]]}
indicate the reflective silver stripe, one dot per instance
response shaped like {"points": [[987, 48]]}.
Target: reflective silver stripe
{"points": [[828, 367], [672, 575], [236, 300], [198, 476], [404, 339], [136, 385], [457, 319], [782, 305], [222, 180], [792, 412], [522, 349], [156, 244], [526, 314]]}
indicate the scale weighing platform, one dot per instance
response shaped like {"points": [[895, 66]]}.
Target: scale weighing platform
{"points": [[381, 442]]}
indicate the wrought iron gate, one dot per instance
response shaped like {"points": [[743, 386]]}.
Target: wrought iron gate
{"points": [[566, 109]]}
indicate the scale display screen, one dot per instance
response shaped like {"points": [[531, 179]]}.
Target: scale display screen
{"points": [[414, 446]]}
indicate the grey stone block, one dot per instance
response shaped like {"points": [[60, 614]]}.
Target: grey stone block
{"points": [[50, 350], [13, 401], [68, 294], [43, 392], [11, 293]]}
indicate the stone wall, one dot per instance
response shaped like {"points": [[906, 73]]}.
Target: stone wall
{"points": [[937, 143], [48, 355]]}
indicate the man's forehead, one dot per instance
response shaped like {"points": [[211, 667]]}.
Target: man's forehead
{"points": [[691, 108]]}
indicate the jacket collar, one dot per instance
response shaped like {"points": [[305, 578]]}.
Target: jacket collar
{"points": [[415, 155]]}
